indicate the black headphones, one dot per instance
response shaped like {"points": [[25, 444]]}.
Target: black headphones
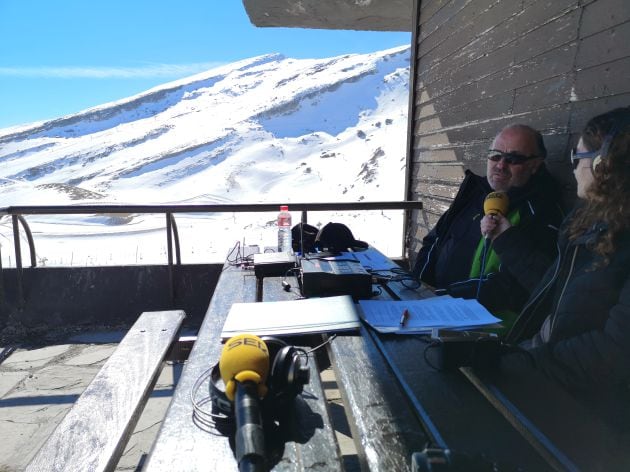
{"points": [[288, 374], [616, 129]]}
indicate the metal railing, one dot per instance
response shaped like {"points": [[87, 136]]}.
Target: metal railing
{"points": [[172, 237]]}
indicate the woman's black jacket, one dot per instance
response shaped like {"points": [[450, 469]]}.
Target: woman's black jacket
{"points": [[578, 318]]}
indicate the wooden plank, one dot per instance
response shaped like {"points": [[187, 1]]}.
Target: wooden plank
{"points": [[466, 133], [539, 95], [607, 46], [439, 19], [182, 446], [603, 14], [470, 23], [560, 426], [588, 107], [604, 80], [383, 425], [93, 434], [475, 109], [512, 41], [428, 8]]}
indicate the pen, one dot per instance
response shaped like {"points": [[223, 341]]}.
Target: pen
{"points": [[403, 317]]}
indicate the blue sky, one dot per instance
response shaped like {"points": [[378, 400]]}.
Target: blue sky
{"points": [[60, 57]]}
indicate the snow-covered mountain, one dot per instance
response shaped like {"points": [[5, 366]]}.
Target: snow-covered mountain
{"points": [[263, 129]]}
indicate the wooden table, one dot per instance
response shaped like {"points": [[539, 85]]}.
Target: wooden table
{"points": [[182, 446], [395, 402], [398, 404]]}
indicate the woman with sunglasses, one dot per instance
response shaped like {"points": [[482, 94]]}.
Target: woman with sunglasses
{"points": [[576, 324]]}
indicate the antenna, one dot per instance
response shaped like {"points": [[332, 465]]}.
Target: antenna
{"points": [[302, 222]]}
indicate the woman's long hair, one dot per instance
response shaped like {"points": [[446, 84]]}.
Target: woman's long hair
{"points": [[608, 195]]}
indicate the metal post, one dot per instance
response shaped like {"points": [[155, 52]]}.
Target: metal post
{"points": [[178, 255], [2, 300], [29, 238], [169, 250], [18, 261]]}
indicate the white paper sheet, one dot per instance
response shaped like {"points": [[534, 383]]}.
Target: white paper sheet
{"points": [[437, 312]]}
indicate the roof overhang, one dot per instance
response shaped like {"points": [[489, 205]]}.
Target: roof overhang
{"points": [[371, 15]]}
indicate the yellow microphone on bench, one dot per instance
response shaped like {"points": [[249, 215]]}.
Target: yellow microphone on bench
{"points": [[244, 367], [245, 358]]}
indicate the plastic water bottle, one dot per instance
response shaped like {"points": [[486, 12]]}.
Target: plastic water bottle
{"points": [[284, 230]]}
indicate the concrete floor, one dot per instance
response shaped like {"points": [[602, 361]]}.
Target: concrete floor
{"points": [[38, 385]]}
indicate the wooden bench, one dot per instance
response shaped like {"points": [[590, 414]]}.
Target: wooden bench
{"points": [[564, 431], [93, 434]]}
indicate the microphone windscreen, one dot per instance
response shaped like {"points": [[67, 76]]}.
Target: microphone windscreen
{"points": [[496, 202], [245, 357]]}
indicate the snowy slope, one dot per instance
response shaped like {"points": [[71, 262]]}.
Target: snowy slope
{"points": [[265, 129]]}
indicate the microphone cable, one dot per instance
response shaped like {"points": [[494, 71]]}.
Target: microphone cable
{"points": [[484, 255], [287, 287], [237, 257], [396, 275], [204, 419]]}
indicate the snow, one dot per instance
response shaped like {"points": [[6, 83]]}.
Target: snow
{"points": [[267, 129]]}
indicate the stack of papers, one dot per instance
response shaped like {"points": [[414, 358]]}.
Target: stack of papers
{"points": [[424, 315], [312, 315]]}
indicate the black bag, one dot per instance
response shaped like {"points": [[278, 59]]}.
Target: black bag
{"points": [[303, 233], [337, 237]]}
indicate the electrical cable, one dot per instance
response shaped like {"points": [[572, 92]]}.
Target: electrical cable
{"points": [[484, 255], [396, 275], [431, 345], [328, 341], [236, 257], [202, 418]]}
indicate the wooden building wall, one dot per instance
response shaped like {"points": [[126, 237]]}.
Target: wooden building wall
{"points": [[482, 64]]}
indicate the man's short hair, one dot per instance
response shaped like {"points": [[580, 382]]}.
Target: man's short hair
{"points": [[540, 143]]}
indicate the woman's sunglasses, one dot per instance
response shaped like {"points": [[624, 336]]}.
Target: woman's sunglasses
{"points": [[576, 156], [512, 158]]}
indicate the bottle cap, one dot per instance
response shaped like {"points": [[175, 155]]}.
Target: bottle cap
{"points": [[284, 207]]}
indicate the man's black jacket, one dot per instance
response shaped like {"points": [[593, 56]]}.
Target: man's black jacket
{"points": [[447, 252]]}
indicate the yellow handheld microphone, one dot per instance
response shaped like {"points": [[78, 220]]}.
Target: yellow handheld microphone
{"points": [[244, 366], [244, 358], [496, 203]]}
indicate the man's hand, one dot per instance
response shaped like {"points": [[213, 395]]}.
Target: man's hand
{"points": [[494, 225]]}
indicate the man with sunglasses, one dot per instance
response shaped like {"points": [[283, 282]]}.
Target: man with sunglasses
{"points": [[455, 251]]}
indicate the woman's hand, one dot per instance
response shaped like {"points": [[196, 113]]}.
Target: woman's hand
{"points": [[493, 225]]}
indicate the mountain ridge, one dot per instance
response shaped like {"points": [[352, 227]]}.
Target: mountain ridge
{"points": [[265, 129], [157, 131]]}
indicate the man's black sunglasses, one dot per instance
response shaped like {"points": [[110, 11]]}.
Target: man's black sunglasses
{"points": [[512, 158]]}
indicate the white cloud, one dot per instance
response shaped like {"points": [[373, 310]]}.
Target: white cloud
{"points": [[139, 72]]}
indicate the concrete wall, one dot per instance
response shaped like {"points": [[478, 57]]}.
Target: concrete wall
{"points": [[71, 296], [482, 64]]}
